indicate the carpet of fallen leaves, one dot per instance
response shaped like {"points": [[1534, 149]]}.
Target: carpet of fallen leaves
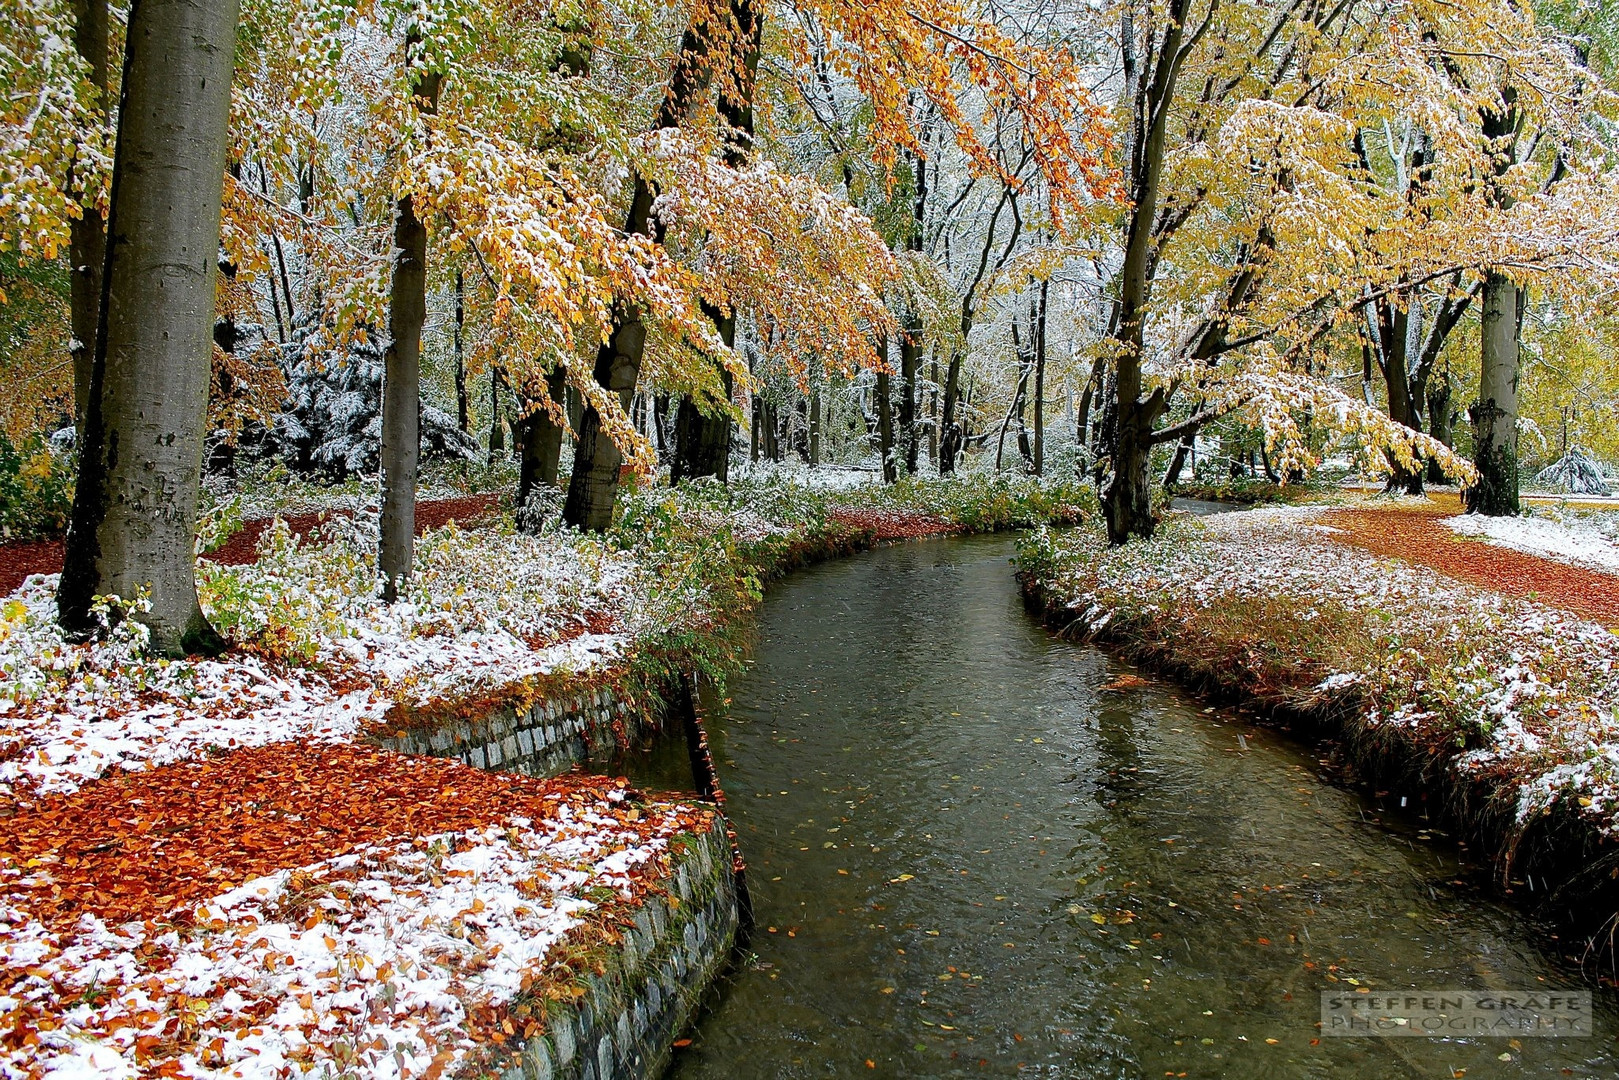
{"points": [[1416, 535], [139, 845], [17, 561], [892, 524]]}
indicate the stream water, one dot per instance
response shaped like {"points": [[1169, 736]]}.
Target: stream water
{"points": [[978, 850]]}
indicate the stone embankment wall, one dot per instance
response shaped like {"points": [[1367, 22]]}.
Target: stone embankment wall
{"points": [[544, 739], [638, 998], [645, 992]]}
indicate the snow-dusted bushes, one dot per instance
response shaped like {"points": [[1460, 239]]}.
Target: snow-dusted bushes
{"points": [[331, 423], [486, 612]]}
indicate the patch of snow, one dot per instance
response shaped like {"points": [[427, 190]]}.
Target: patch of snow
{"points": [[1568, 541]]}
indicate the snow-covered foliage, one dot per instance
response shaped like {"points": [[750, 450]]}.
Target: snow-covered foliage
{"points": [[373, 961], [320, 657], [72, 712], [1576, 472], [332, 421], [1267, 602]]}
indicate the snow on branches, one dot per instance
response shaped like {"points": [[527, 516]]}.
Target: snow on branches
{"points": [[55, 149]]}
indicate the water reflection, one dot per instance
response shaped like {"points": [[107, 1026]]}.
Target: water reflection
{"points": [[976, 851]]}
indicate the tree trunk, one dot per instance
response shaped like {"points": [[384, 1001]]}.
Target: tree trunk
{"points": [[1183, 450], [933, 409], [401, 379], [497, 430], [542, 445], [596, 461], [1126, 498], [1015, 409], [134, 511], [950, 431], [702, 443], [1440, 421], [1495, 414], [463, 407], [815, 426], [885, 428], [1394, 361], [910, 367], [755, 415], [1040, 385], [87, 238]]}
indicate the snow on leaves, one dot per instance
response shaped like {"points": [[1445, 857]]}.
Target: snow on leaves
{"points": [[150, 924]]}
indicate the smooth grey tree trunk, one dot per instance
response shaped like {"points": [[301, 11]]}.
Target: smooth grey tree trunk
{"points": [[135, 508], [1495, 415], [401, 378], [815, 426], [87, 239]]}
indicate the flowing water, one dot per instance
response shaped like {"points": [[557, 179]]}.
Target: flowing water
{"points": [[977, 850]]}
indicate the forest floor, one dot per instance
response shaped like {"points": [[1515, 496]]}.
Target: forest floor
{"points": [[19, 560], [215, 873], [1418, 534]]}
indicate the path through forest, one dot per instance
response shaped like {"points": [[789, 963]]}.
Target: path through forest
{"points": [[1417, 535]]}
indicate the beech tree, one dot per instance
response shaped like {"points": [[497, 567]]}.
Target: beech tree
{"points": [[401, 381], [1261, 108], [134, 510]]}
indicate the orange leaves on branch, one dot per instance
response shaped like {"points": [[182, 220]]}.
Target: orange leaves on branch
{"points": [[892, 47]]}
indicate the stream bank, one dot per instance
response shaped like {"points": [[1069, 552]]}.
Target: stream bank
{"points": [[994, 852], [1491, 713]]}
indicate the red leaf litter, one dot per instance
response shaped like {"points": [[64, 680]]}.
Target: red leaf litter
{"points": [[140, 845], [1416, 536], [17, 561], [892, 524]]}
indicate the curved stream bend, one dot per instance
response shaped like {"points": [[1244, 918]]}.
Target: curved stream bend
{"points": [[970, 857]]}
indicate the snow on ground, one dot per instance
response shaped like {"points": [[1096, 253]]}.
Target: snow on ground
{"points": [[72, 712], [382, 963], [1570, 540], [325, 658], [819, 477], [1536, 687]]}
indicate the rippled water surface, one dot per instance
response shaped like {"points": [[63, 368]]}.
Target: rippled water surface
{"points": [[977, 850]]}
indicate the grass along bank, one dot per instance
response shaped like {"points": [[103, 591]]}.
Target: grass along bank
{"points": [[1498, 714], [215, 874]]}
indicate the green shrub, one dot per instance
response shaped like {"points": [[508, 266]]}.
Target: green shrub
{"points": [[36, 489]]}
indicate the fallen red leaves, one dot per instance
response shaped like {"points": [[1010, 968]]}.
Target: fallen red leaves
{"points": [[17, 561], [1416, 536], [139, 845], [892, 524]]}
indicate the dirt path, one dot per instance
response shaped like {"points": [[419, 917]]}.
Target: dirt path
{"points": [[17, 561], [1416, 536]]}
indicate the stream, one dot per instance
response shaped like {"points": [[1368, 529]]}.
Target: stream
{"points": [[978, 850]]}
